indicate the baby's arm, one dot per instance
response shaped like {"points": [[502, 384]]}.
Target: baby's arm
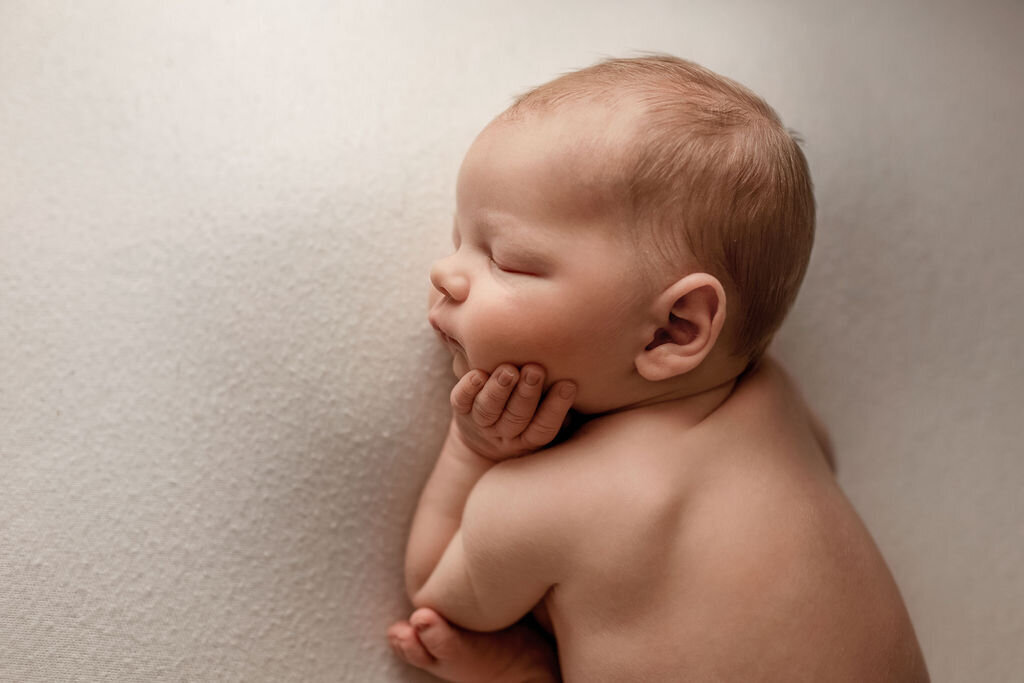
{"points": [[494, 419]]}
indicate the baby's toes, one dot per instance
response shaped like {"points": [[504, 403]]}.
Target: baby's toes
{"points": [[407, 646]]}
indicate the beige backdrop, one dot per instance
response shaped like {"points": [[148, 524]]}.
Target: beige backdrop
{"points": [[218, 392]]}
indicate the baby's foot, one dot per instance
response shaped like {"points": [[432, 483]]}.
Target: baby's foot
{"points": [[518, 654]]}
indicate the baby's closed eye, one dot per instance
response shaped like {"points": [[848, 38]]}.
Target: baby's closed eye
{"points": [[510, 269], [513, 266], [520, 260]]}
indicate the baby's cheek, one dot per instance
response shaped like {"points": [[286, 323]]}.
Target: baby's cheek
{"points": [[521, 336], [491, 340]]}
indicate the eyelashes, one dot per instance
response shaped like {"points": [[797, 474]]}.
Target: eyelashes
{"points": [[507, 269], [502, 266]]}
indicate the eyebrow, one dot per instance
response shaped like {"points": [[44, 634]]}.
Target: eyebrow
{"points": [[485, 225], [499, 232]]}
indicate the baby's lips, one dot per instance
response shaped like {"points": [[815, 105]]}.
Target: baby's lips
{"points": [[451, 341], [445, 337]]}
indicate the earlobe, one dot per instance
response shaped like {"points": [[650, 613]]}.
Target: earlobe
{"points": [[688, 319]]}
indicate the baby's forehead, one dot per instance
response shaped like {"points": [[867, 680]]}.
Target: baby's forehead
{"points": [[585, 145]]}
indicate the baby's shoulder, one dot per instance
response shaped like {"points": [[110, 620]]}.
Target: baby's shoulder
{"points": [[565, 487], [561, 474]]}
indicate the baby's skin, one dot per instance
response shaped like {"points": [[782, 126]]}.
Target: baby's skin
{"points": [[518, 654], [793, 651], [503, 420], [692, 528]]}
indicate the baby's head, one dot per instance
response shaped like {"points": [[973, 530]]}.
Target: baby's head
{"points": [[641, 227]]}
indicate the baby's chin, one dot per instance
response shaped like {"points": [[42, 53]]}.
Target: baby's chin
{"points": [[460, 364]]}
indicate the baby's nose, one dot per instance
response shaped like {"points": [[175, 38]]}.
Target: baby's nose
{"points": [[448, 280]]}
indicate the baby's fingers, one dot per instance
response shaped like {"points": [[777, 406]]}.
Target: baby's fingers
{"points": [[523, 403], [490, 402], [466, 389], [550, 415]]}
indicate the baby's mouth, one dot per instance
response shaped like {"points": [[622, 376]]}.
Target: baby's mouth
{"points": [[447, 339]]}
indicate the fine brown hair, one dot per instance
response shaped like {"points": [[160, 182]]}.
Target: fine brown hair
{"points": [[710, 172]]}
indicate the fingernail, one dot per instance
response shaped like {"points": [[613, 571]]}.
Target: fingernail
{"points": [[567, 390], [531, 377], [421, 627], [505, 378], [476, 380]]}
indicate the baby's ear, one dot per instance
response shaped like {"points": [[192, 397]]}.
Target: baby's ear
{"points": [[687, 319]]}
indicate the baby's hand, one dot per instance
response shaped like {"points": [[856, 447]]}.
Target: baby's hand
{"points": [[497, 415]]}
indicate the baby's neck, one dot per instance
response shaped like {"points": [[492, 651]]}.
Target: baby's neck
{"points": [[700, 390], [683, 406], [695, 403]]}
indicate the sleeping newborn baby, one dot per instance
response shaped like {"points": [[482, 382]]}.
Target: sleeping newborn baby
{"points": [[628, 239]]}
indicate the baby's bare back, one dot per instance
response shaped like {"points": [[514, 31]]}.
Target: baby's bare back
{"points": [[721, 551]]}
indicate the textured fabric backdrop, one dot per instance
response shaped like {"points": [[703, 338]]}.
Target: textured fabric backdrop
{"points": [[219, 395]]}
